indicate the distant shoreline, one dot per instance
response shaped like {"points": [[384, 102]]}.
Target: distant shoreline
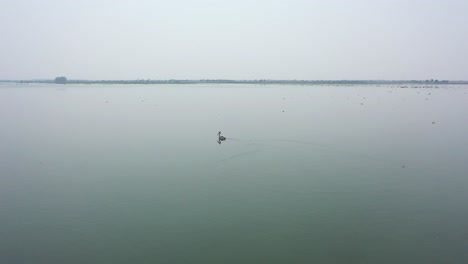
{"points": [[222, 81]]}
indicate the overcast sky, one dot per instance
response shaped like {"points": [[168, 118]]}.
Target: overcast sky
{"points": [[258, 39]]}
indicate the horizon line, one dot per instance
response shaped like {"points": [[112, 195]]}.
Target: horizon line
{"points": [[240, 80]]}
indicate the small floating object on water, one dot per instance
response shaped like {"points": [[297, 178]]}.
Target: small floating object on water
{"points": [[107, 102], [429, 94], [362, 104], [283, 111], [403, 166], [433, 123]]}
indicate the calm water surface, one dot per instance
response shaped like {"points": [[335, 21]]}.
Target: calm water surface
{"points": [[308, 174]]}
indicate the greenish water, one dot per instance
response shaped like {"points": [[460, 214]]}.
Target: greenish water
{"points": [[133, 174]]}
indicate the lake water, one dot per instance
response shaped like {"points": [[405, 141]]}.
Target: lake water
{"points": [[308, 174]]}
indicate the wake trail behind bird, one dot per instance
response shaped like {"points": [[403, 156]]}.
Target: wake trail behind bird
{"points": [[320, 147]]}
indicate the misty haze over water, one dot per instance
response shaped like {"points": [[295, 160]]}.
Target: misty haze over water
{"points": [[307, 174], [181, 131]]}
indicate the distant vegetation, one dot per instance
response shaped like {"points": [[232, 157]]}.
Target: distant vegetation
{"points": [[62, 80]]}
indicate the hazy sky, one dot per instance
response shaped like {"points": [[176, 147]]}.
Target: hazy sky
{"points": [[257, 39]]}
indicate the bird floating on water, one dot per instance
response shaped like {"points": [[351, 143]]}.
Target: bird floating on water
{"points": [[220, 138]]}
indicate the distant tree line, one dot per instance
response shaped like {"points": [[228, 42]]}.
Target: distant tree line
{"points": [[61, 80], [436, 81]]}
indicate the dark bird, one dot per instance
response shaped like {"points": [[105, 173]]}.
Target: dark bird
{"points": [[220, 138]]}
